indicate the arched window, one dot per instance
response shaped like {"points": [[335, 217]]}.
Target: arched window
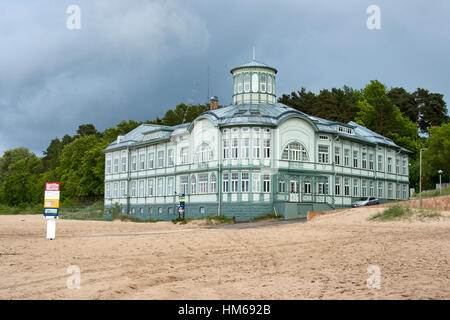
{"points": [[239, 83], [235, 84], [294, 151], [269, 85], [255, 84], [204, 153], [263, 82], [193, 185], [247, 82]]}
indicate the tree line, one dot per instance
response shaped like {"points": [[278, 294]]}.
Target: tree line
{"points": [[413, 120]]}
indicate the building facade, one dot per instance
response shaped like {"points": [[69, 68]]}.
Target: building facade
{"points": [[252, 158]]}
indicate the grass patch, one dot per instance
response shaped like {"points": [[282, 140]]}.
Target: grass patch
{"points": [[22, 209], [267, 216], [397, 212], [135, 219], [423, 214], [181, 220], [219, 219], [210, 219]]}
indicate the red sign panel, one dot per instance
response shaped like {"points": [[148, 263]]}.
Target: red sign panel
{"points": [[52, 186]]}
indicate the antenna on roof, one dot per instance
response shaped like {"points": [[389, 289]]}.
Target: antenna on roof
{"points": [[207, 98]]}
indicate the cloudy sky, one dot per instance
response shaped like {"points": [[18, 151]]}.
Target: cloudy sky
{"points": [[135, 59]]}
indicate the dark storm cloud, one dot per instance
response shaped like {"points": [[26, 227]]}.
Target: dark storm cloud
{"points": [[135, 59]]}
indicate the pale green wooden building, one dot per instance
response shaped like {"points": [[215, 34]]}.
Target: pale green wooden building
{"points": [[250, 159]]}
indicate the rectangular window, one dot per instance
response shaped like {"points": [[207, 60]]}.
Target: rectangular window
{"points": [[266, 148], [234, 182], [337, 186], [266, 183], [151, 160], [307, 188], [234, 148], [337, 156], [108, 166], [226, 148], [170, 190], [397, 166], [124, 164], [184, 184], [123, 189], [364, 160], [404, 166], [108, 190], [346, 157], [256, 148], [193, 185], [142, 162], [355, 187], [364, 188], [225, 182], [116, 165], [213, 183], [281, 186], [347, 186], [256, 183], [171, 157], [380, 163], [323, 154], [133, 188], [390, 195], [202, 183], [405, 191], [321, 188], [371, 191], [160, 159], [355, 159], [389, 168], [133, 163], [160, 186], [244, 181], [141, 188], [380, 190], [370, 161], [116, 189], [246, 148], [150, 187], [184, 156]]}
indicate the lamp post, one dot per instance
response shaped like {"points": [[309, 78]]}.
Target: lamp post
{"points": [[440, 182], [420, 178]]}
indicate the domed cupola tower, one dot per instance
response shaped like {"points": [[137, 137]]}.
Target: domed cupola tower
{"points": [[254, 82]]}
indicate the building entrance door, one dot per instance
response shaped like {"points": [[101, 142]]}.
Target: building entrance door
{"points": [[293, 191]]}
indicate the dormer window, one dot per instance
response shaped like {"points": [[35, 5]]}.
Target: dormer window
{"points": [[345, 130], [263, 82]]}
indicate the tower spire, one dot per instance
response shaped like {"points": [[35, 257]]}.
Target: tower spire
{"points": [[254, 53]]}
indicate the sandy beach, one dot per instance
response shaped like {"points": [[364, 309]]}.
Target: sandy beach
{"points": [[325, 258]]}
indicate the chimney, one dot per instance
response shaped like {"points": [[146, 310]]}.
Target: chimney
{"points": [[213, 103]]}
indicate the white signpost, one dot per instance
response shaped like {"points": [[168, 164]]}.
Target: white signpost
{"points": [[51, 207]]}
